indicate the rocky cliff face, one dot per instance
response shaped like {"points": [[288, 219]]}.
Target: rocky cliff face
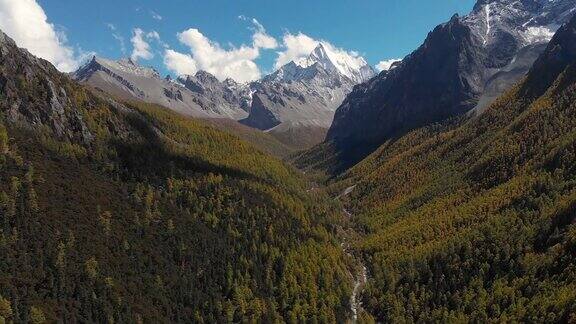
{"points": [[47, 103], [200, 96], [461, 67], [213, 94]]}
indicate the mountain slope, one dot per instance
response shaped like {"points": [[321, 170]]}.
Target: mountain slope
{"points": [[261, 140], [475, 222], [201, 95], [132, 213], [462, 65]]}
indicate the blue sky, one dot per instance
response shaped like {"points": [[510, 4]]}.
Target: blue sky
{"points": [[376, 29]]}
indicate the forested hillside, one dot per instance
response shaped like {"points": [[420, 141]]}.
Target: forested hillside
{"points": [[475, 221], [129, 213]]}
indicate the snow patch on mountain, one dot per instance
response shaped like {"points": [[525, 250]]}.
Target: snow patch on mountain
{"points": [[531, 21], [488, 26], [539, 34]]}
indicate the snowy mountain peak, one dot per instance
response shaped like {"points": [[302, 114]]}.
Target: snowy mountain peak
{"points": [[320, 55], [348, 64]]}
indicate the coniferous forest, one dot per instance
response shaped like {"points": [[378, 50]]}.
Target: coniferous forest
{"points": [[116, 209], [473, 220], [136, 214]]}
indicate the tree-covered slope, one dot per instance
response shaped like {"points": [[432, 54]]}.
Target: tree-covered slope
{"points": [[127, 213], [264, 141], [476, 221]]}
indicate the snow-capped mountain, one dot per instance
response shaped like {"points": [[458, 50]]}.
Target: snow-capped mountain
{"points": [[200, 96], [513, 34], [461, 67], [306, 92], [302, 93], [353, 67]]}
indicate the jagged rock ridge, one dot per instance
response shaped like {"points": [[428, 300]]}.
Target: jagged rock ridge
{"points": [[201, 95]]}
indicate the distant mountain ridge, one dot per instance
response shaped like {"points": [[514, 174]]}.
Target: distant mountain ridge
{"points": [[302, 94], [127, 79]]}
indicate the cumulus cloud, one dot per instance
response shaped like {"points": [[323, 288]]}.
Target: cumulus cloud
{"points": [[260, 38], [141, 46], [295, 47], [180, 63], [386, 64], [234, 62], [26, 22]]}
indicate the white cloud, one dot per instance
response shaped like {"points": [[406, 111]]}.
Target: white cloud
{"points": [[235, 62], [26, 22], [180, 63], [295, 47], [386, 64], [155, 15], [153, 35], [141, 47], [261, 39]]}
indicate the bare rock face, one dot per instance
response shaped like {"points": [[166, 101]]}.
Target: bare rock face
{"points": [[200, 96], [462, 66], [33, 93], [211, 93]]}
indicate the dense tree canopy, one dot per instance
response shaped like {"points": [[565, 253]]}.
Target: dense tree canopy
{"points": [[160, 219], [474, 220]]}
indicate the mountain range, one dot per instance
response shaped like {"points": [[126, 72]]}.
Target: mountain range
{"points": [[296, 103], [201, 95], [460, 69]]}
